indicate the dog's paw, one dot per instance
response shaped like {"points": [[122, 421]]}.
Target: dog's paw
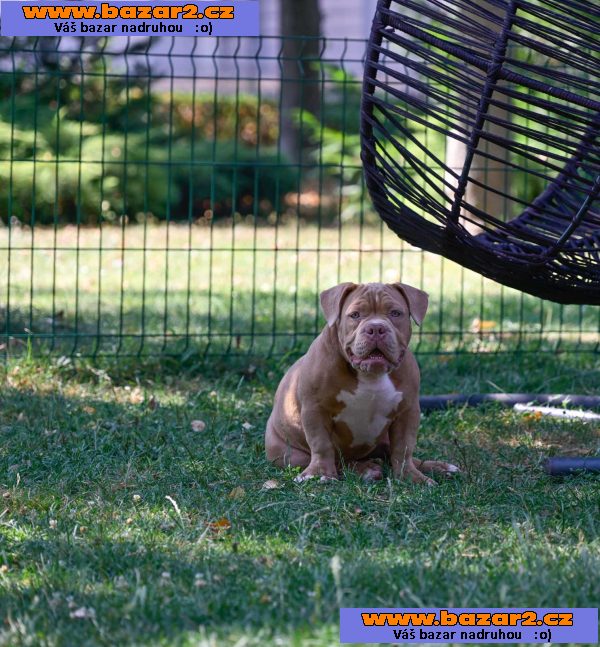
{"points": [[322, 473], [371, 475], [421, 479], [328, 479], [451, 470], [301, 478], [439, 467], [368, 470], [413, 475]]}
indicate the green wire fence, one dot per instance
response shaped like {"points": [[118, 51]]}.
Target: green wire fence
{"points": [[186, 196]]}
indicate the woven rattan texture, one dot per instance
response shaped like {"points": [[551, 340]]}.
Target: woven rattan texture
{"points": [[515, 83]]}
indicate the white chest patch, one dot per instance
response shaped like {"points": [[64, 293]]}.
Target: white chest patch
{"points": [[367, 409]]}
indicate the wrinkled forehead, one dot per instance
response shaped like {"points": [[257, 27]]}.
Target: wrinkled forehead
{"points": [[374, 297]]}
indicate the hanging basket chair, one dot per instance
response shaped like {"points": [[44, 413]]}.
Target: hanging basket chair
{"points": [[481, 137]]}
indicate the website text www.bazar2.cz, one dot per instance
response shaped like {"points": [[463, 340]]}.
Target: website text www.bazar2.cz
{"points": [[446, 618], [106, 11]]}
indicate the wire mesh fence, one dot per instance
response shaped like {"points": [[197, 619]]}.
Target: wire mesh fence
{"points": [[187, 196]]}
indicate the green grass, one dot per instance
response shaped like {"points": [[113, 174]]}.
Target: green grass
{"points": [[92, 552], [213, 289], [90, 454]]}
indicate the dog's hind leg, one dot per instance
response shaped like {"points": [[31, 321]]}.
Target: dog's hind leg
{"points": [[436, 466], [368, 470], [283, 454]]}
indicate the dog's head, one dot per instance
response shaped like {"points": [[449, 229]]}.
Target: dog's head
{"points": [[373, 322]]}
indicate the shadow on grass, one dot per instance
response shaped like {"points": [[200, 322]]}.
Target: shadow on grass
{"points": [[513, 344]]}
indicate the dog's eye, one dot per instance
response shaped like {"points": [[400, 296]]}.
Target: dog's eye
{"points": [[355, 315], [395, 313]]}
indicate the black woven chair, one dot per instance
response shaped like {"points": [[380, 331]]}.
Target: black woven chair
{"points": [[517, 76]]}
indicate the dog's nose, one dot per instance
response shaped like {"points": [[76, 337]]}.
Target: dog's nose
{"points": [[376, 329]]}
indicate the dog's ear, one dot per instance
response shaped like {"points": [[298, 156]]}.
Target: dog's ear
{"points": [[417, 300], [332, 300]]}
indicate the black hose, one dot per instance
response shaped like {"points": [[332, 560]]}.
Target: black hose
{"points": [[437, 402], [557, 466], [564, 466]]}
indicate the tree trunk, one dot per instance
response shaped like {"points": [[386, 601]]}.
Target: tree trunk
{"points": [[300, 72]]}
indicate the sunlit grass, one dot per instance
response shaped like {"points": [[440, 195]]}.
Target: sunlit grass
{"points": [[178, 288]]}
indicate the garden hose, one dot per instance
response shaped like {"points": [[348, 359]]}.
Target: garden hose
{"points": [[556, 466], [437, 402]]}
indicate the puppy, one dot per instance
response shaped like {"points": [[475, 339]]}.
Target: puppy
{"points": [[354, 397]]}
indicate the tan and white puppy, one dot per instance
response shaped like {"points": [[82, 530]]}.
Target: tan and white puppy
{"points": [[354, 397]]}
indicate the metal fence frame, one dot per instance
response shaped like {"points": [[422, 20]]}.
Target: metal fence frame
{"points": [[234, 268]]}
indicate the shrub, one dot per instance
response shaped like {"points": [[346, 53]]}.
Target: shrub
{"points": [[124, 152]]}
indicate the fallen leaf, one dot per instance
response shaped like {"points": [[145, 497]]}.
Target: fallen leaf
{"points": [[198, 425], [136, 396], [220, 525], [482, 325], [534, 415], [247, 426], [271, 484], [237, 493]]}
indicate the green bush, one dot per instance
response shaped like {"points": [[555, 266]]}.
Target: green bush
{"points": [[73, 153]]}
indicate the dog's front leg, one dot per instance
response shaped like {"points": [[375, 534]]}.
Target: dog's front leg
{"points": [[317, 427], [403, 440]]}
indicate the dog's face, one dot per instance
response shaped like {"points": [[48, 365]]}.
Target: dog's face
{"points": [[373, 322]]}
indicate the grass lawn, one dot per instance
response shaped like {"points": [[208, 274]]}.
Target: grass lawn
{"points": [[123, 523], [208, 289]]}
